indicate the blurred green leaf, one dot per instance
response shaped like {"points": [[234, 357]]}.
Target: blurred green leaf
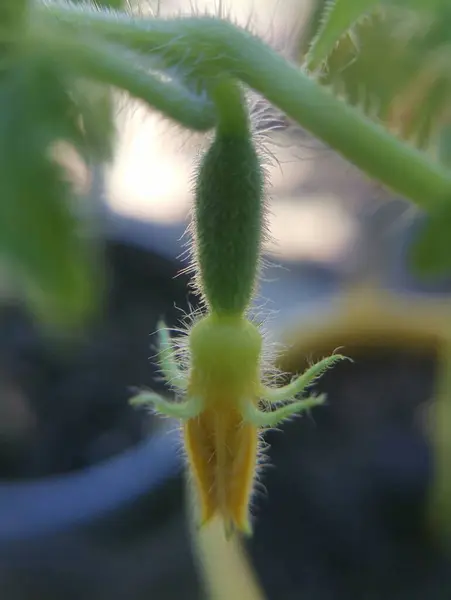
{"points": [[339, 16], [39, 235], [430, 255], [445, 145], [12, 14], [393, 65]]}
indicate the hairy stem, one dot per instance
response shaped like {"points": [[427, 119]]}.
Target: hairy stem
{"points": [[212, 45], [189, 409], [114, 65]]}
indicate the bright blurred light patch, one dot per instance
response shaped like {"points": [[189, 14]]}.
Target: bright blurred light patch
{"points": [[150, 178], [310, 228]]}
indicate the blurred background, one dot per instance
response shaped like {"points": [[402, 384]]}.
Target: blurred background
{"points": [[92, 492]]}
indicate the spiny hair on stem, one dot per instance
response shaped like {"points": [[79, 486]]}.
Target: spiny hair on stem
{"points": [[191, 237]]}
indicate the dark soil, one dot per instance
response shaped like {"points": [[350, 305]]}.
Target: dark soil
{"points": [[343, 517]]}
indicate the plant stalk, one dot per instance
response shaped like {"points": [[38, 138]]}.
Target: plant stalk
{"points": [[210, 46]]}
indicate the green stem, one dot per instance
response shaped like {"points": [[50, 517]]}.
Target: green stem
{"points": [[233, 116], [117, 66], [212, 45]]}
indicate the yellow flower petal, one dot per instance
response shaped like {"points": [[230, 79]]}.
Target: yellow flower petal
{"points": [[222, 451]]}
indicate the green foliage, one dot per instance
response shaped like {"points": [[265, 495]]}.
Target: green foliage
{"points": [[42, 110], [335, 19], [12, 16], [431, 253], [390, 59], [38, 230]]}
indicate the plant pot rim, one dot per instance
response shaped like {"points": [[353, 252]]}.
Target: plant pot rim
{"points": [[58, 503], [368, 320]]}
